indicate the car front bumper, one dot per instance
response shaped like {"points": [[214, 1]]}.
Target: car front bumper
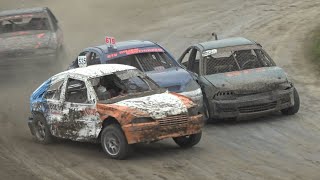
{"points": [[252, 105], [161, 129]]}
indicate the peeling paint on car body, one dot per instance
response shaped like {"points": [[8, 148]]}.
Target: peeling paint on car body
{"points": [[84, 121]]}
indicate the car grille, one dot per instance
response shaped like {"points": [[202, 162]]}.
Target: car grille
{"points": [[258, 107], [173, 120]]}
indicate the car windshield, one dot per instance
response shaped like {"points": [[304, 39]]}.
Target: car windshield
{"points": [[227, 60], [122, 84], [153, 61], [26, 22]]}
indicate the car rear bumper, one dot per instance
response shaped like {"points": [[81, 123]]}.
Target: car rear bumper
{"points": [[166, 128], [252, 105]]}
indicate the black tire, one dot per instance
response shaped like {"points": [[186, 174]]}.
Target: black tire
{"points": [[188, 141], [114, 142], [42, 132], [206, 113], [295, 108]]}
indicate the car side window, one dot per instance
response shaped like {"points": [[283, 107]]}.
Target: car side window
{"points": [[194, 60], [264, 58], [54, 91], [185, 59], [196, 67], [76, 91], [93, 58]]}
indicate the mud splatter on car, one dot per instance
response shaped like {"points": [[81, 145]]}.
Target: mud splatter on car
{"points": [[116, 104], [239, 79]]}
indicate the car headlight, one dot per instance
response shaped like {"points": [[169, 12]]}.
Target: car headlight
{"points": [[285, 86], [194, 110], [192, 85], [142, 120]]}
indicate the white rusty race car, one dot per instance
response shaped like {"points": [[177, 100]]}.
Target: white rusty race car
{"points": [[115, 104]]}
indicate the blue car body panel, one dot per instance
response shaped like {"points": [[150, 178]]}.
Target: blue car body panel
{"points": [[166, 78]]}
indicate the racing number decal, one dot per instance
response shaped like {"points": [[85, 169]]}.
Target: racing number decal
{"points": [[110, 40], [82, 61]]}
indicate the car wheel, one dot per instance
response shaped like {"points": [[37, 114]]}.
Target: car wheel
{"points": [[188, 141], [206, 112], [114, 142], [295, 108], [42, 132]]}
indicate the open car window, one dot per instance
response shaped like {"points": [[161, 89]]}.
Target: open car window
{"points": [[227, 61], [54, 92], [112, 86], [76, 91]]}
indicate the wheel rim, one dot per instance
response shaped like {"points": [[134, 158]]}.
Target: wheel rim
{"points": [[112, 144], [40, 130]]}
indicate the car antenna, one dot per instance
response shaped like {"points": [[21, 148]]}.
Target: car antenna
{"points": [[215, 35]]}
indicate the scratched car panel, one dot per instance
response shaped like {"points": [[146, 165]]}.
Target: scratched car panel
{"points": [[239, 79], [79, 104]]}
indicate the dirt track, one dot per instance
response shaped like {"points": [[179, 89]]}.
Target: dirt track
{"points": [[275, 147]]}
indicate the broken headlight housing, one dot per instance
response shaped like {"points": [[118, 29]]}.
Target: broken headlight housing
{"points": [[194, 110], [142, 120], [285, 85]]}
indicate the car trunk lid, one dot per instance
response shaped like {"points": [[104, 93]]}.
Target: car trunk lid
{"points": [[24, 40]]}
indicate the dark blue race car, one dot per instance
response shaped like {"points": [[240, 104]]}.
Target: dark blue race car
{"points": [[148, 57]]}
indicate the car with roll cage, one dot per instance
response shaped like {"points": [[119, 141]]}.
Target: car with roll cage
{"points": [[239, 79], [114, 104], [30, 33], [149, 57]]}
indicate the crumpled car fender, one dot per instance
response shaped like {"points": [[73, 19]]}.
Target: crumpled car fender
{"points": [[124, 115]]}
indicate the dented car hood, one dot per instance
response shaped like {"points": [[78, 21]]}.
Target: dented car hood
{"points": [[251, 79], [156, 106]]}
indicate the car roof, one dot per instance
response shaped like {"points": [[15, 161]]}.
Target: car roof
{"points": [[229, 42], [123, 45], [23, 11], [97, 70]]}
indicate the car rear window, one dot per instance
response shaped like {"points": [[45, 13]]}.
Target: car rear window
{"points": [[26, 22], [153, 61]]}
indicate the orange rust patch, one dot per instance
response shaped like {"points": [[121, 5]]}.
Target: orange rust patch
{"points": [[122, 113], [148, 132], [186, 100]]}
